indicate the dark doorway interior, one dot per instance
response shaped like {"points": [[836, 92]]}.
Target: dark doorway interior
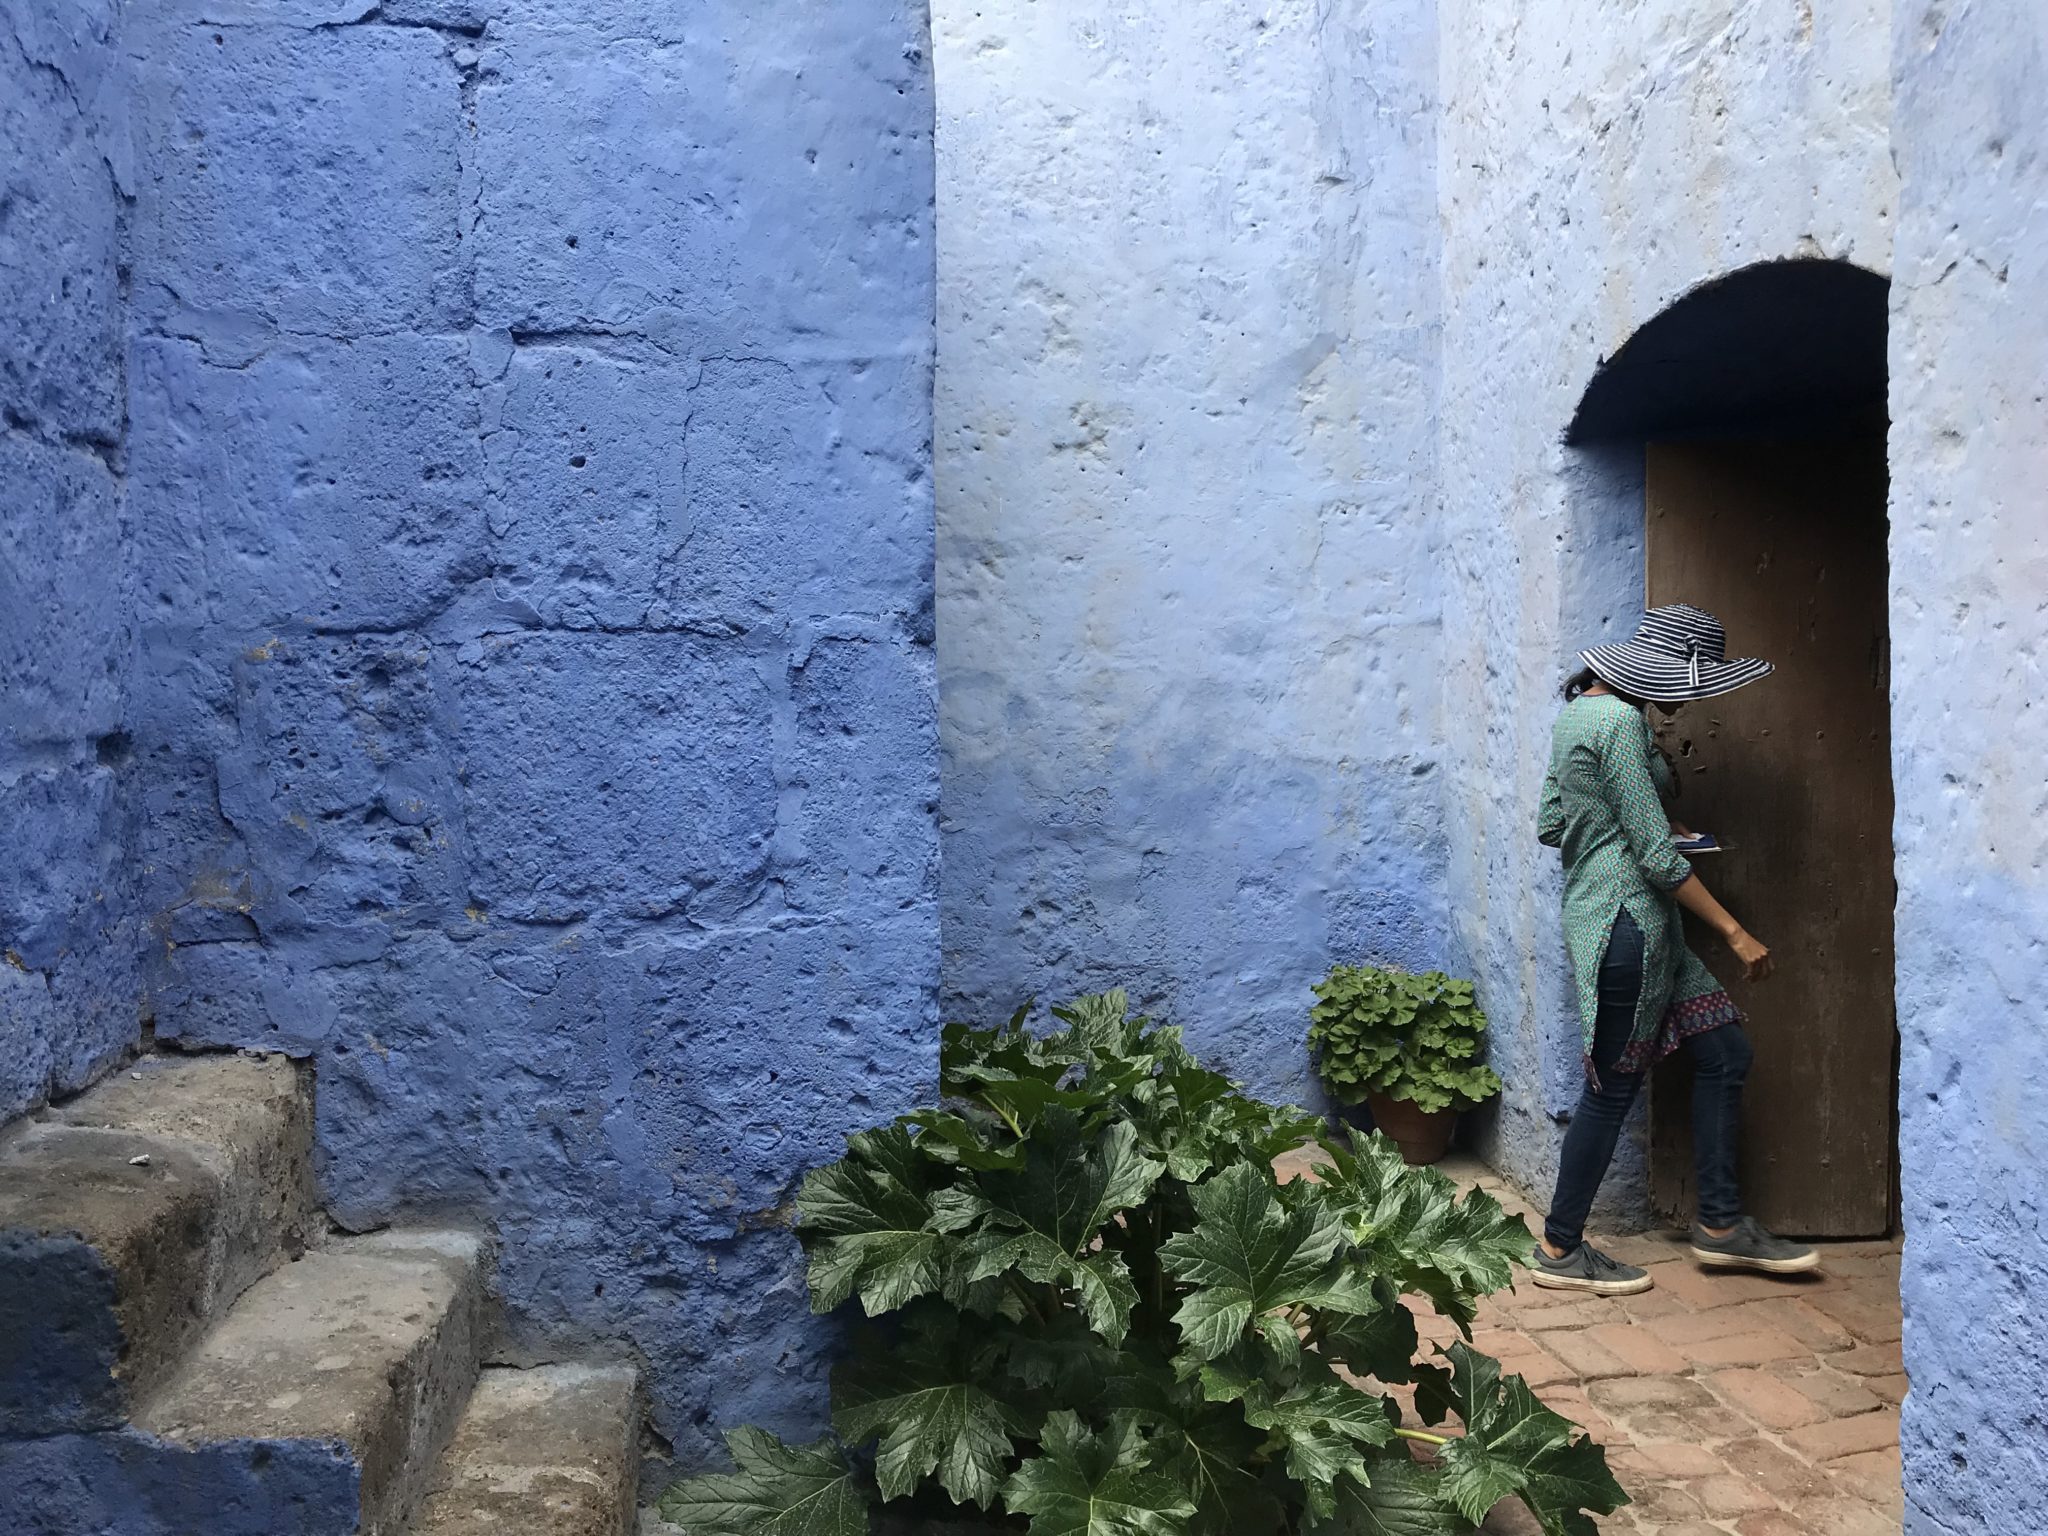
{"points": [[1758, 405]]}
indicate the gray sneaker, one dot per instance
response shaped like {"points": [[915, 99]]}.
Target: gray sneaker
{"points": [[1587, 1269], [1749, 1246]]}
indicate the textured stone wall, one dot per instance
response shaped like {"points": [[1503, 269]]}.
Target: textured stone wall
{"points": [[70, 945], [1597, 163], [1970, 735], [1188, 589], [530, 470]]}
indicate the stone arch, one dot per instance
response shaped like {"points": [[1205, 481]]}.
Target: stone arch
{"points": [[1799, 341]]}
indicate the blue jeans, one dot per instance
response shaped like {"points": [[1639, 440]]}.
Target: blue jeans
{"points": [[1720, 1062]]}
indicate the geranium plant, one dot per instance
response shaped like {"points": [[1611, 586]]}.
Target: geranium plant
{"points": [[1411, 1037], [1093, 1310]]}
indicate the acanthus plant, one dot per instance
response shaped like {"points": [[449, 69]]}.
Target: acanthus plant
{"points": [[1093, 1310]]}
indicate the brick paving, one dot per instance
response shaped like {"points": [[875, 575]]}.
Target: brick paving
{"points": [[1735, 1404]]}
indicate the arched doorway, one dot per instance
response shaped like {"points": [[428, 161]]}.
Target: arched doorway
{"points": [[1758, 403]]}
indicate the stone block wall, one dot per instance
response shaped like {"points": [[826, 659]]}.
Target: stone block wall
{"points": [[1597, 164], [1969, 544], [1188, 572], [70, 942], [476, 603]]}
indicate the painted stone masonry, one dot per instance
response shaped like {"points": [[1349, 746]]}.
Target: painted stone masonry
{"points": [[1969, 541], [1189, 590], [1588, 167], [505, 502], [71, 943], [469, 617]]}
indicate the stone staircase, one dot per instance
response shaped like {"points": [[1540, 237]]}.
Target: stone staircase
{"points": [[185, 1352]]}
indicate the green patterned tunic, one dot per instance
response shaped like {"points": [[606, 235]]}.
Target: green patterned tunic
{"points": [[1603, 805]]}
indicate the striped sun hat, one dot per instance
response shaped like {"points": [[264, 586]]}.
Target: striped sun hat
{"points": [[1678, 653]]}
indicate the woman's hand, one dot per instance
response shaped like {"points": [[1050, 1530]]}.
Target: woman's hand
{"points": [[1699, 901], [1756, 960]]}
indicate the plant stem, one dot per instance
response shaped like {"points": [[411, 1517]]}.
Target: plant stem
{"points": [[1425, 1438]]}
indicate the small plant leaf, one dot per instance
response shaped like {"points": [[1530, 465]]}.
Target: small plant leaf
{"points": [[773, 1490]]}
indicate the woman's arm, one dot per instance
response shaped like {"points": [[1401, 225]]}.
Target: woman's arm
{"points": [[1550, 819], [1699, 901], [1632, 790]]}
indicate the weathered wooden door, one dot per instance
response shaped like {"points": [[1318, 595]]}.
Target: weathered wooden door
{"points": [[1785, 543]]}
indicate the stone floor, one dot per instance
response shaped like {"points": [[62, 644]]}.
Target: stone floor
{"points": [[1728, 1403]]}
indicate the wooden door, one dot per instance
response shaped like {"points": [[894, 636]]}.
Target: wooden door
{"points": [[1785, 543]]}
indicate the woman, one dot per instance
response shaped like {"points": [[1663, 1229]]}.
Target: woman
{"points": [[1642, 993]]}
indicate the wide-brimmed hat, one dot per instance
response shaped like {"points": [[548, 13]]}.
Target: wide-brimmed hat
{"points": [[1678, 653]]}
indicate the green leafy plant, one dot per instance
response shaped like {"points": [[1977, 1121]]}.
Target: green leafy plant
{"points": [[1409, 1037], [1093, 1310]]}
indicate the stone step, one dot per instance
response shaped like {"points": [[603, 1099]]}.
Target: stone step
{"points": [[316, 1407], [131, 1218], [547, 1451]]}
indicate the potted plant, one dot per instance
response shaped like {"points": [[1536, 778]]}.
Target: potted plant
{"points": [[1407, 1045]]}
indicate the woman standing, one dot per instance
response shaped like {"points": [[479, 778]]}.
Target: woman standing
{"points": [[1642, 993]]}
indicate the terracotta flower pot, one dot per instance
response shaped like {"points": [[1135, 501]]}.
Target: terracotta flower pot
{"points": [[1423, 1135]]}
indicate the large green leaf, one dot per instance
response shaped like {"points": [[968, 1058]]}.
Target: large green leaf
{"points": [[1214, 1458], [1380, 1344], [1324, 1423], [1411, 1226], [867, 1221], [773, 1490], [1061, 1356], [1401, 1498], [1219, 1459], [1249, 1255], [1081, 1484], [1044, 1219], [1513, 1445], [926, 1396]]}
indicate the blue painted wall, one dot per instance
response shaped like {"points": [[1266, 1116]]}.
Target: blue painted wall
{"points": [[70, 943], [1969, 737], [529, 465], [1188, 573]]}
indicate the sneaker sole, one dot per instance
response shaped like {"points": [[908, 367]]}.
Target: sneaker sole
{"points": [[1806, 1263], [1550, 1282]]}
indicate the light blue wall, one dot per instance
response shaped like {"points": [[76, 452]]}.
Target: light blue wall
{"points": [[1597, 163], [70, 942], [1188, 572], [1969, 566], [523, 464]]}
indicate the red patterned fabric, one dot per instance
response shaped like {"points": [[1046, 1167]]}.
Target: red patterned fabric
{"points": [[1681, 1021]]}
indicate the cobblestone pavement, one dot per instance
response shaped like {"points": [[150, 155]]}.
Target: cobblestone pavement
{"points": [[1728, 1403]]}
